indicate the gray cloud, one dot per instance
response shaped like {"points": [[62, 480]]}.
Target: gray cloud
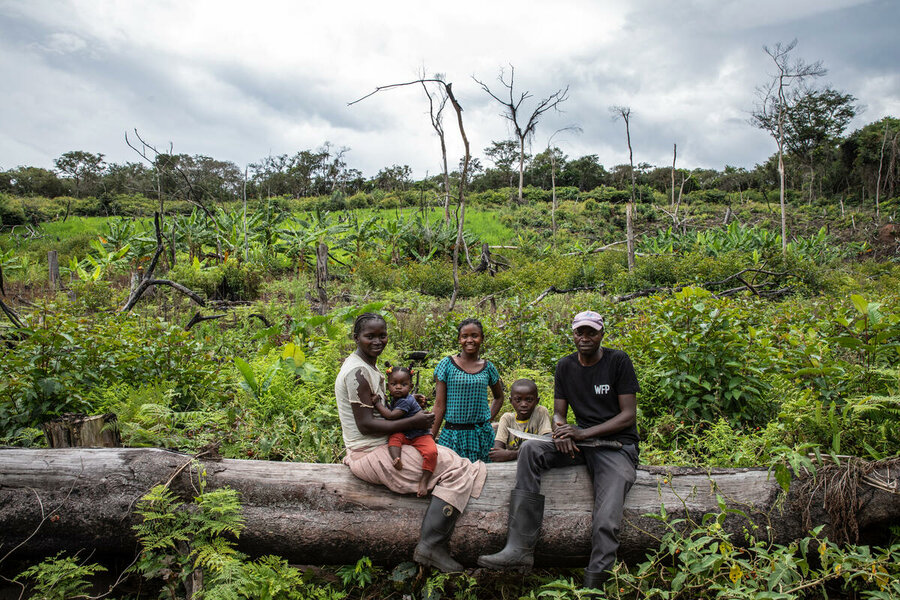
{"points": [[238, 82]]}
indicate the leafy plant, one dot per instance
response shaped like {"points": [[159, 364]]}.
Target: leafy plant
{"points": [[874, 335], [60, 578], [702, 560], [359, 575], [712, 361]]}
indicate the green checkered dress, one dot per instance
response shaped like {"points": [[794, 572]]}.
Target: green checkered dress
{"points": [[467, 402]]}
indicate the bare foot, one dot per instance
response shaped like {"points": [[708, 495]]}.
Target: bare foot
{"points": [[423, 488], [398, 464]]}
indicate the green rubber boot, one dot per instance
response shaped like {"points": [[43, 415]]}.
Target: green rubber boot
{"points": [[526, 513], [433, 549]]}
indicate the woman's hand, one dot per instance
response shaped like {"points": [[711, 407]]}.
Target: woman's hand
{"points": [[420, 420], [422, 399]]}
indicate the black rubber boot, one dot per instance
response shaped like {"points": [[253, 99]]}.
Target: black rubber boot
{"points": [[432, 549], [595, 580], [526, 513]]}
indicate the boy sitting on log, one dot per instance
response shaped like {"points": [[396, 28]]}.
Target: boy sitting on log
{"points": [[528, 417]]}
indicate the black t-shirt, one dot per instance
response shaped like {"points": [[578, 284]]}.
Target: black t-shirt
{"points": [[593, 392]]}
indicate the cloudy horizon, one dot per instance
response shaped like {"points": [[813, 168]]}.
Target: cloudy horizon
{"points": [[239, 81]]}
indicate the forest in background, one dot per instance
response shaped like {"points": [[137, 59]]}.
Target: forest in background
{"points": [[852, 169]]}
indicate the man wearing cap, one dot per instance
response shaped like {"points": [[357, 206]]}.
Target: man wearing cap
{"points": [[600, 386]]}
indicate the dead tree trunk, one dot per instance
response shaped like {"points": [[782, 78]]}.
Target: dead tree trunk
{"points": [[322, 276], [147, 280], [463, 171], [321, 514], [625, 113]]}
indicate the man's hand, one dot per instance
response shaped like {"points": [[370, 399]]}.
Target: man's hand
{"points": [[565, 437]]}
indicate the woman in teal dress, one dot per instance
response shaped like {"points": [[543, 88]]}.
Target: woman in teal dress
{"points": [[461, 403]]}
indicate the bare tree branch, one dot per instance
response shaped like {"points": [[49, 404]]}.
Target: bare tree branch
{"points": [[437, 122], [147, 280], [625, 113], [463, 172], [772, 108], [512, 112]]}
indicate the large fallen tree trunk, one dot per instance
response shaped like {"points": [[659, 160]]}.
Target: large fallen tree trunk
{"points": [[67, 499]]}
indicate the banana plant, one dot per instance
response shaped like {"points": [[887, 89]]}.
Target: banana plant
{"points": [[391, 231], [301, 238], [94, 267], [361, 232], [124, 232]]}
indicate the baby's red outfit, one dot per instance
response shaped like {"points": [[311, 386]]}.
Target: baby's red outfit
{"points": [[423, 443]]}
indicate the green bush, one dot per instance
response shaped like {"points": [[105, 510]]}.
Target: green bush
{"points": [[11, 212], [62, 357], [710, 361], [230, 280]]}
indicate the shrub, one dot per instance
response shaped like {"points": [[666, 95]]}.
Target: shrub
{"points": [[11, 212], [710, 360], [230, 280], [61, 357]]}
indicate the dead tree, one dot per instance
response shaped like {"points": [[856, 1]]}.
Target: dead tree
{"points": [[773, 106], [677, 224], [625, 113], [194, 193], [147, 280], [53, 268], [463, 171], [513, 113], [878, 180], [553, 166], [322, 276], [437, 122]]}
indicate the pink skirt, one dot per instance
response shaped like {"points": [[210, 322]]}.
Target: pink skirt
{"points": [[455, 479]]}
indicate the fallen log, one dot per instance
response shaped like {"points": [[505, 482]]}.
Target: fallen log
{"points": [[68, 499]]}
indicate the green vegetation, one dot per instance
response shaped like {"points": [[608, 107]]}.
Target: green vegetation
{"points": [[746, 356]]}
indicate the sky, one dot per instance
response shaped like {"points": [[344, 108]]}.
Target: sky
{"points": [[243, 80]]}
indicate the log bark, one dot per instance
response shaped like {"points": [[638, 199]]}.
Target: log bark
{"points": [[321, 514]]}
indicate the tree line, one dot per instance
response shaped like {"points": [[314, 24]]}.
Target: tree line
{"points": [[855, 166]]}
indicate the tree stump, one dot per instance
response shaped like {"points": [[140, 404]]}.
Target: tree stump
{"points": [[53, 266], [83, 431]]}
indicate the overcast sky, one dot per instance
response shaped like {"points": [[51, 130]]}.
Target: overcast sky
{"points": [[241, 80]]}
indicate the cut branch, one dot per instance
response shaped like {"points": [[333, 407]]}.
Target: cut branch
{"points": [[198, 318], [756, 288], [554, 290], [11, 315]]}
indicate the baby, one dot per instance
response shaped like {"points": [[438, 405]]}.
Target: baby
{"points": [[404, 404]]}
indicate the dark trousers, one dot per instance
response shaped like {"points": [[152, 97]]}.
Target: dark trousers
{"points": [[612, 474]]}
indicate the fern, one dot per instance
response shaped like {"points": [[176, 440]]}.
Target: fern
{"points": [[217, 556], [220, 512], [163, 523], [60, 578]]}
